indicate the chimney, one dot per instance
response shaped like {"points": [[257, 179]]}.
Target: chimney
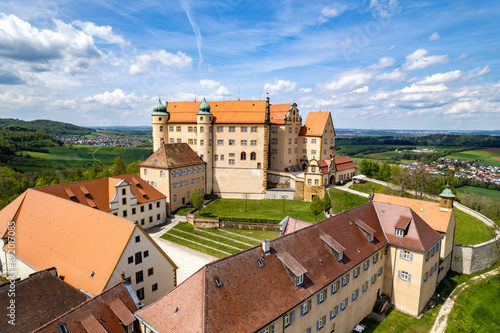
{"points": [[266, 247]]}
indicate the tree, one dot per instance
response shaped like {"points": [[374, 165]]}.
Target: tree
{"points": [[133, 168], [401, 178], [118, 167], [384, 173], [197, 199], [326, 201], [365, 167], [316, 206]]}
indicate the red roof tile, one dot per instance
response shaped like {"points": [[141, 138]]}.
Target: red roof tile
{"points": [[341, 163], [172, 155], [224, 112], [315, 124], [278, 113], [101, 191]]}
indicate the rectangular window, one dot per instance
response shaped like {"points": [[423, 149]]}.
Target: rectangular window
{"points": [[274, 129], [355, 294], [308, 182], [313, 152], [243, 129], [231, 129], [274, 141], [345, 280], [133, 211], [334, 311], [179, 140], [289, 318], [289, 141], [365, 287], [190, 141], [304, 140], [231, 142], [366, 265], [202, 129], [289, 130], [320, 323], [220, 142], [300, 279], [130, 259], [380, 270], [344, 303], [158, 217], [253, 142], [150, 271], [140, 293], [190, 129], [146, 172], [150, 219], [322, 296], [146, 254], [335, 287], [139, 277], [305, 307], [289, 150], [243, 142], [405, 276], [355, 273], [231, 161], [407, 255], [375, 258], [154, 287], [175, 197], [254, 129], [178, 128], [316, 182], [138, 258], [400, 232], [216, 157], [219, 129], [313, 140], [202, 142], [171, 128]]}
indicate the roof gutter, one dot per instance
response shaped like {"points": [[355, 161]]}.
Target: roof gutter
{"points": [[145, 323]]}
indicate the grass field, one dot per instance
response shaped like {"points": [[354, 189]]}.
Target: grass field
{"points": [[79, 155], [486, 156], [490, 194], [469, 230], [216, 242], [272, 209], [367, 187], [482, 310], [342, 200]]}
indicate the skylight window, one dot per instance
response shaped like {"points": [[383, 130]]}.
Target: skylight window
{"points": [[400, 232]]}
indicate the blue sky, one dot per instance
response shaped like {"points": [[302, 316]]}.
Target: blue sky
{"points": [[380, 64]]}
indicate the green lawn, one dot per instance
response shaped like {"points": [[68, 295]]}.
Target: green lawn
{"points": [[268, 210], [79, 155], [491, 194], [469, 230], [397, 321], [342, 200], [183, 210], [477, 308], [191, 237], [490, 157], [367, 187]]}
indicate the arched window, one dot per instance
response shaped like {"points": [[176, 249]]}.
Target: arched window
{"points": [[243, 156], [253, 156]]}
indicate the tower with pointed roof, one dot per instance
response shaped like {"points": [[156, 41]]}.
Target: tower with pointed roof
{"points": [[159, 117], [446, 199], [204, 120]]}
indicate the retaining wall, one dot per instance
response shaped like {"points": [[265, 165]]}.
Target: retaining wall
{"points": [[468, 259]]}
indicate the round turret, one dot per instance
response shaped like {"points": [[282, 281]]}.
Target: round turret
{"points": [[159, 109], [447, 193], [204, 108], [446, 199]]}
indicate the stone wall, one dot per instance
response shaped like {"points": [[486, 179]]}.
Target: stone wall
{"points": [[280, 180], [299, 191], [250, 226], [468, 259], [311, 190]]}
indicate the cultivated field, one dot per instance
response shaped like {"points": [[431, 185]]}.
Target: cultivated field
{"points": [[490, 194], [80, 155], [485, 156]]}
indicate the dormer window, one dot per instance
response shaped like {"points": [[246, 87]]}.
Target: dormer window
{"points": [[335, 248], [400, 233], [300, 280]]}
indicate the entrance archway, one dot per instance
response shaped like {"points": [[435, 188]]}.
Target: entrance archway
{"points": [[332, 180]]}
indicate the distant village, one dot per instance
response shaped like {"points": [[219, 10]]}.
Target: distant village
{"points": [[102, 141]]}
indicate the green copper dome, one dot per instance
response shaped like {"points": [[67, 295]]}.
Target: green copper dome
{"points": [[204, 108], [447, 193], [159, 108]]}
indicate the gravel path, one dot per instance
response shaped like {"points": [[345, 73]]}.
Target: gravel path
{"points": [[441, 321]]}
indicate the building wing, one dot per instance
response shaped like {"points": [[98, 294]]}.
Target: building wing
{"points": [[315, 124]]}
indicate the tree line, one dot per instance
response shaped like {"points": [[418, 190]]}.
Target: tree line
{"points": [[47, 126]]}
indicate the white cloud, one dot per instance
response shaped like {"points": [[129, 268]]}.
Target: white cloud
{"points": [[441, 78], [385, 62], [21, 41], [280, 86], [434, 36], [349, 80], [480, 72], [305, 90], [396, 76], [116, 98], [104, 32], [157, 60], [221, 93], [361, 90], [331, 11], [419, 60], [209, 83], [424, 88]]}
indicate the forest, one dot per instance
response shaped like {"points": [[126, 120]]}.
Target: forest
{"points": [[48, 126]]}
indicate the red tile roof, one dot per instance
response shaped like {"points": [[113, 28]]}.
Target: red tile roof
{"points": [[341, 163], [292, 224], [102, 191], [172, 155], [252, 296], [55, 232], [419, 235], [39, 298], [224, 112], [427, 210], [315, 124], [97, 314], [278, 113]]}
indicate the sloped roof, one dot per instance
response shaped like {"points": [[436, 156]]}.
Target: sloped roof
{"points": [[78, 240], [8, 214], [224, 112], [419, 235], [40, 298], [102, 191], [315, 124], [341, 163], [172, 155], [278, 112], [97, 314], [252, 296], [292, 224], [429, 211]]}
